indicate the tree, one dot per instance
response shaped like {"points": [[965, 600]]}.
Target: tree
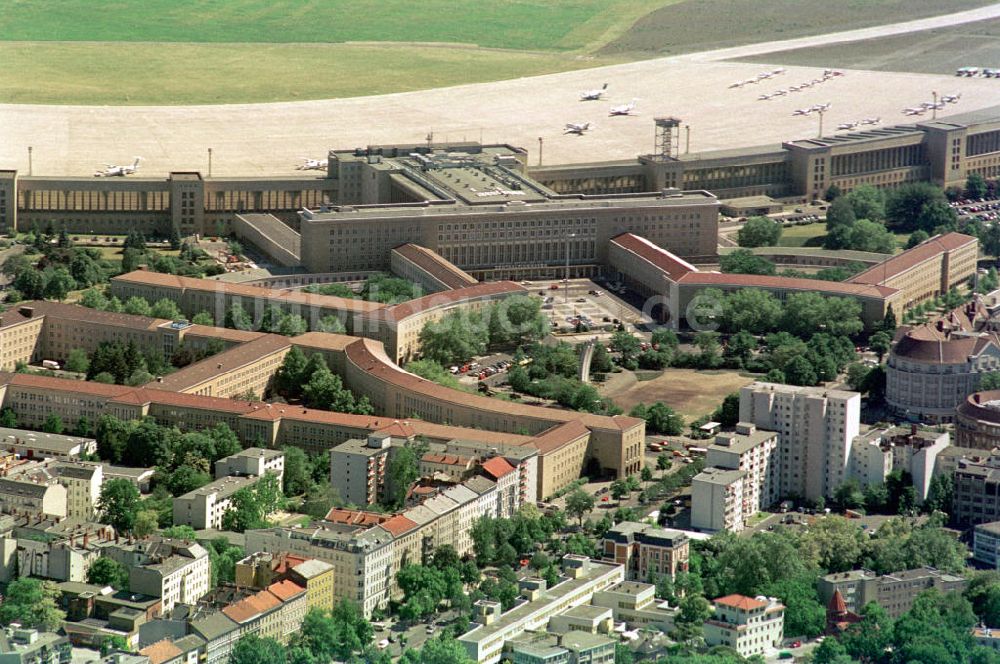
{"points": [[296, 477], [660, 418], [455, 338], [619, 489], [8, 418], [334, 635], [137, 306], [250, 506], [146, 523], [918, 237], [835, 543], [77, 361], [728, 412], [252, 649], [975, 186], [444, 649], [237, 318], [759, 232], [403, 470], [165, 308], [325, 390], [626, 345], [579, 503], [867, 202], [799, 371], [517, 320], [291, 374], [53, 424], [32, 603], [940, 494], [871, 236], [880, 342], [840, 213], [118, 504], [58, 283], [751, 310], [743, 261], [694, 610], [108, 572], [832, 193], [331, 325], [663, 461]]}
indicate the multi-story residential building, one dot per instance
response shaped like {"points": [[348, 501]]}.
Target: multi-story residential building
{"points": [[206, 506], [976, 498], [21, 496], [259, 614], [508, 491], [933, 367], [358, 468], [912, 449], [718, 500], [986, 544], [646, 551], [260, 570], [816, 427], [82, 480], [755, 452], [894, 592], [253, 461], [220, 634], [24, 645], [294, 604], [748, 625], [176, 571], [582, 577]]}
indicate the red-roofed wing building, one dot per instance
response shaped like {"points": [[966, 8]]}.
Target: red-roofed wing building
{"points": [[748, 625], [293, 605], [501, 472]]}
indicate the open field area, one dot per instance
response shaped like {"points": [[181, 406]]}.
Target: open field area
{"points": [[190, 52], [697, 25], [513, 24], [175, 74], [939, 51], [691, 393], [807, 235]]}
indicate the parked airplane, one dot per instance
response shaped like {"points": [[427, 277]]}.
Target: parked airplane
{"points": [[914, 110], [821, 107], [951, 99], [846, 126], [779, 70], [780, 93], [624, 109], [312, 164], [593, 95], [737, 84], [112, 170], [802, 111], [577, 128], [871, 121], [763, 97]]}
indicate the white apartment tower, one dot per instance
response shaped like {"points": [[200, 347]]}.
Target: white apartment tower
{"points": [[815, 426]]}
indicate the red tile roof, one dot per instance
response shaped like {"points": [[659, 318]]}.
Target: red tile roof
{"points": [[249, 608], [489, 289], [292, 296], [285, 590], [558, 436], [929, 249], [837, 603], [399, 525], [674, 266], [446, 459], [161, 651], [64, 384], [786, 283], [436, 265], [228, 360], [497, 467], [741, 602]]}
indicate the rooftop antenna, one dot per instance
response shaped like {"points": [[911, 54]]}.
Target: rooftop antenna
{"points": [[430, 140]]}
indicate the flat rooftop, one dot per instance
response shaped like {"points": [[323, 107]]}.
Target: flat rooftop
{"points": [[39, 440]]}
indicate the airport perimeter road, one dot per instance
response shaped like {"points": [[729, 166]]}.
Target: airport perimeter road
{"points": [[270, 139]]}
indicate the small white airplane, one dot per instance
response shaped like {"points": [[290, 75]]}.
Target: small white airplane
{"points": [[847, 126], [763, 97], [576, 128], [871, 121], [780, 93], [750, 81], [802, 111], [794, 88], [779, 70], [593, 95], [821, 107], [914, 110], [112, 170], [764, 74], [312, 164], [624, 109], [951, 99], [817, 81], [737, 84], [929, 105]]}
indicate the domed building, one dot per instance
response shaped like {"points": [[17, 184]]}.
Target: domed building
{"points": [[977, 421], [934, 366]]}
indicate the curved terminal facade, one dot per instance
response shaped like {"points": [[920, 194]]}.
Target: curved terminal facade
{"points": [[977, 421]]}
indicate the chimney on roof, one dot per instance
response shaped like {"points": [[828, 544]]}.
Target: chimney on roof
{"points": [[27, 312], [913, 429], [86, 539]]}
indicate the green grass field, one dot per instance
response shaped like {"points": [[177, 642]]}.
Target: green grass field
{"points": [[227, 51], [807, 235]]}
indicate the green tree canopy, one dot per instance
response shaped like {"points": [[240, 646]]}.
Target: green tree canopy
{"points": [[759, 232]]}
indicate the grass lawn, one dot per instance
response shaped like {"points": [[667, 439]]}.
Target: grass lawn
{"points": [[807, 235], [698, 25], [512, 24], [939, 51], [168, 74]]}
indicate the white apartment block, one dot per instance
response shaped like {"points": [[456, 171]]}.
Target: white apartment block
{"points": [[584, 577], [252, 461], [911, 449], [718, 500], [204, 507], [986, 544], [177, 571], [816, 428], [755, 452], [83, 482], [750, 626]]}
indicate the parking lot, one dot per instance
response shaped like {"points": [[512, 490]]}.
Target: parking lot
{"points": [[590, 303]]}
